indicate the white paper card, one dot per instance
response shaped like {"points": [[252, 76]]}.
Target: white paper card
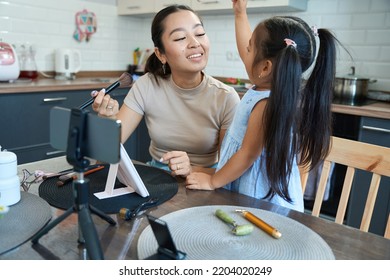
{"points": [[127, 175]]}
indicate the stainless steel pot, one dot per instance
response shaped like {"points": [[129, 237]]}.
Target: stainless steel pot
{"points": [[351, 88]]}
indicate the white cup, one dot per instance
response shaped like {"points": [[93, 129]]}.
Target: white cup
{"points": [[9, 180], [8, 164], [9, 191]]}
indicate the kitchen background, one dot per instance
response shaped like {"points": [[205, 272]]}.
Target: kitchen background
{"points": [[363, 26]]}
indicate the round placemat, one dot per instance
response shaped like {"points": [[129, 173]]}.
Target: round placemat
{"points": [[199, 233], [159, 183], [22, 221]]}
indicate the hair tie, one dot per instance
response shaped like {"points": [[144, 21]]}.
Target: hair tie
{"points": [[315, 30], [290, 42]]}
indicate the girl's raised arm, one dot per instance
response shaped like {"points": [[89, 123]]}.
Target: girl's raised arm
{"points": [[242, 27]]}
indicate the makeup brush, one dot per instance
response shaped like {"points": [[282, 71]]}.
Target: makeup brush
{"points": [[70, 177], [125, 80]]}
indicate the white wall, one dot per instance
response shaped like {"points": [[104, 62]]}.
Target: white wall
{"points": [[361, 25], [50, 25]]}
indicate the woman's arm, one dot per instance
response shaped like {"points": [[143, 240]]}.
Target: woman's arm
{"points": [[130, 121], [105, 106]]}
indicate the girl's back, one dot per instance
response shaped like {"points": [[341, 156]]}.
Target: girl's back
{"points": [[254, 179]]}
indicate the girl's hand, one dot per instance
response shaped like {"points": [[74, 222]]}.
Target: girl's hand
{"points": [[199, 181], [239, 6], [104, 105], [178, 162]]}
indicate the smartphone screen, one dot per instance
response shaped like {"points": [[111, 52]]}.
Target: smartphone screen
{"points": [[102, 135]]}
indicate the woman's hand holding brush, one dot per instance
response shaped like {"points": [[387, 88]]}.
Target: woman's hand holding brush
{"points": [[102, 103]]}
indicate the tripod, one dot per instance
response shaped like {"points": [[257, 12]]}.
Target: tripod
{"points": [[75, 156]]}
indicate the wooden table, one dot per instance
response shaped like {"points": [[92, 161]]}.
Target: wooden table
{"points": [[120, 241]]}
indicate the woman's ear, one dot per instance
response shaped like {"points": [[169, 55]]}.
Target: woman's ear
{"points": [[160, 56]]}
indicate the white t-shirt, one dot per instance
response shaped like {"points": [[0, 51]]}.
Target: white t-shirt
{"points": [[184, 119]]}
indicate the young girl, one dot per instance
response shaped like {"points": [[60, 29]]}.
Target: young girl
{"points": [[280, 122]]}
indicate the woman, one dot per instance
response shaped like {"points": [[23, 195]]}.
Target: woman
{"points": [[186, 111]]}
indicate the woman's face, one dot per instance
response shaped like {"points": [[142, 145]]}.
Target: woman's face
{"points": [[186, 43]]}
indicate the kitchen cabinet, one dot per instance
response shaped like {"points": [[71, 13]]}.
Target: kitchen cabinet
{"points": [[223, 6], [159, 5], [146, 7], [135, 7], [374, 131], [25, 121], [211, 5], [150, 7]]}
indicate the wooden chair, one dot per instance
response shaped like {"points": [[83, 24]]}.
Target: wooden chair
{"points": [[354, 155]]}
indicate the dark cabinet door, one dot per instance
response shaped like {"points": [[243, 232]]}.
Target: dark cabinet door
{"points": [[374, 131], [25, 122], [344, 126]]}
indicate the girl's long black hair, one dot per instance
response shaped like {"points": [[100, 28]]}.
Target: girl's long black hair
{"points": [[297, 118]]}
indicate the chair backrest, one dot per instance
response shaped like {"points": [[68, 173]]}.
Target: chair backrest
{"points": [[354, 155]]}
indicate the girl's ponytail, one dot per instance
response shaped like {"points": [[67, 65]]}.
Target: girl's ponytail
{"points": [[280, 118], [316, 118]]}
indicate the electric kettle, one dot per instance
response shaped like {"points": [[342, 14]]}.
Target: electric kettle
{"points": [[67, 63], [9, 63]]}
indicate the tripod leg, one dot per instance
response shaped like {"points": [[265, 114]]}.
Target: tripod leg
{"points": [[51, 225], [90, 235], [102, 215]]}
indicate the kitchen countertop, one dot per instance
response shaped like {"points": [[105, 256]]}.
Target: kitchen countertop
{"points": [[42, 85], [92, 81], [375, 110]]}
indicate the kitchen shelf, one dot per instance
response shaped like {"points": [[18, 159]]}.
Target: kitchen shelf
{"points": [[144, 8]]}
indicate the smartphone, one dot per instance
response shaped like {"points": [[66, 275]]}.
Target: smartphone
{"points": [[166, 247], [102, 135]]}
